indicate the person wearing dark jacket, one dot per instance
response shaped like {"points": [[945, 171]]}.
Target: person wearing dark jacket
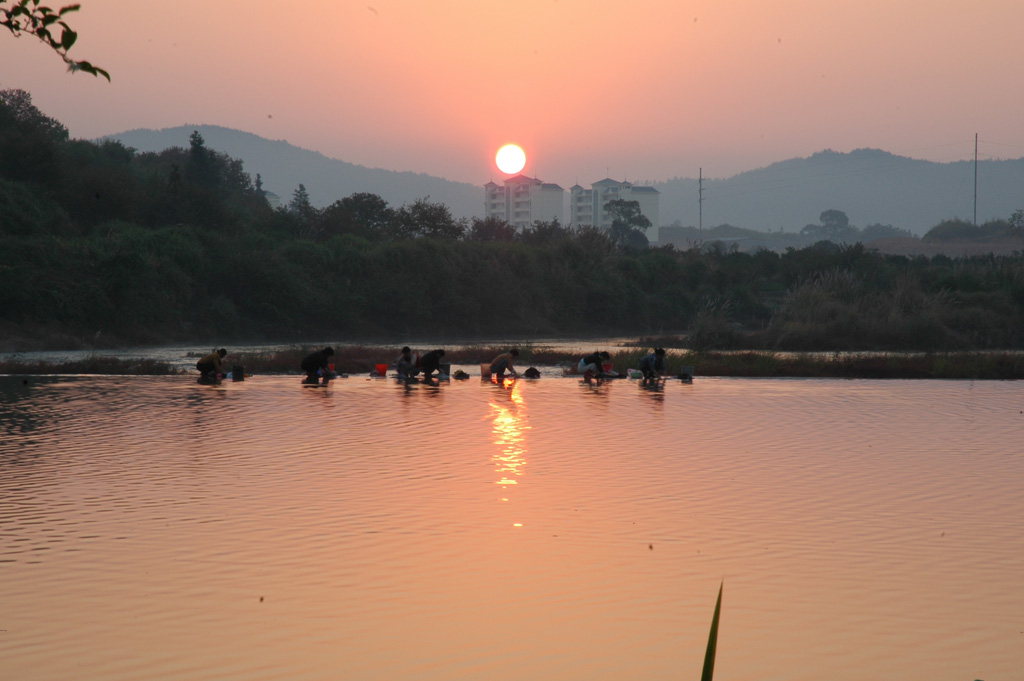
{"points": [[316, 363], [210, 367], [431, 362]]}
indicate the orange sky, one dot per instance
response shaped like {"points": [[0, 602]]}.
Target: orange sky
{"points": [[645, 90]]}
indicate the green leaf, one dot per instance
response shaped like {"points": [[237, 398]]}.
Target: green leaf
{"points": [[89, 68], [68, 38], [709, 655], [69, 8]]}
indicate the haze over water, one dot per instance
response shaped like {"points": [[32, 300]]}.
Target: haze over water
{"points": [[153, 528]]}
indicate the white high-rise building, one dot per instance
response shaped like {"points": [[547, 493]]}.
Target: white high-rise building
{"points": [[587, 205], [523, 200]]}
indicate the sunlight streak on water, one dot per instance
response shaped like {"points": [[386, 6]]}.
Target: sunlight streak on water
{"points": [[153, 528]]}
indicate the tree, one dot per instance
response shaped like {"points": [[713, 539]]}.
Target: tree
{"points": [[1017, 221], [426, 219], [31, 18], [363, 214], [628, 224], [544, 233], [300, 204], [833, 220], [834, 226], [490, 229], [369, 211], [950, 230], [880, 231], [18, 105], [200, 169], [29, 140]]}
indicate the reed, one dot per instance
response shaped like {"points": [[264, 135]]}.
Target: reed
{"points": [[349, 359], [709, 653], [90, 365], [948, 365]]}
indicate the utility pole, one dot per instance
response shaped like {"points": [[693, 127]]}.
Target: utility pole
{"points": [[700, 202], [975, 179]]}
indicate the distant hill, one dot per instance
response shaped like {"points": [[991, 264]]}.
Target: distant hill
{"points": [[283, 167], [869, 185]]}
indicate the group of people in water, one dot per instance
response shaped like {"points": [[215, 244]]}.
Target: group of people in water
{"points": [[652, 366], [318, 367], [409, 366]]}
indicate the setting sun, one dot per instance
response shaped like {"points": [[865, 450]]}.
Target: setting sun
{"points": [[510, 159]]}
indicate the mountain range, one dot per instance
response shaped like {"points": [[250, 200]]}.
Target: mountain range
{"points": [[869, 185], [283, 167]]}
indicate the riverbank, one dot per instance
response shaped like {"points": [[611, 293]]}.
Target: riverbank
{"points": [[361, 359]]}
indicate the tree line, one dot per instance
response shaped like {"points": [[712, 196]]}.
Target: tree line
{"points": [[182, 245]]}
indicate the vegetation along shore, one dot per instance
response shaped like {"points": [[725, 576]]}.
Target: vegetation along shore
{"points": [[102, 246]]}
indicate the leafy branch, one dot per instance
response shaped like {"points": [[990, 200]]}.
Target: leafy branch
{"points": [[29, 17]]}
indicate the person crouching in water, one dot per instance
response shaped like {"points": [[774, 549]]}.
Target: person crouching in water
{"points": [[504, 362], [210, 368], [316, 364], [431, 362], [405, 365], [653, 365], [593, 363]]}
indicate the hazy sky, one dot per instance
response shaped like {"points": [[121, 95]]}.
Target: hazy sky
{"points": [[644, 90]]}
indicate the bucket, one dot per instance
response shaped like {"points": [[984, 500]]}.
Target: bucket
{"points": [[237, 373], [445, 369], [382, 369], [485, 369], [606, 367]]}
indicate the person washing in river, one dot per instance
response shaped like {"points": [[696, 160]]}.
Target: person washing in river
{"points": [[505, 362], [316, 364], [594, 363], [405, 365], [431, 362], [653, 365], [210, 368]]}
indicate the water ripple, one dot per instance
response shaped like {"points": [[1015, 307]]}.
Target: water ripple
{"points": [[153, 528]]}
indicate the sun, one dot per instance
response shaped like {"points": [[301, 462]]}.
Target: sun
{"points": [[510, 159]]}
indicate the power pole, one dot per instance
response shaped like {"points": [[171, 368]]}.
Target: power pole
{"points": [[700, 202], [975, 179]]}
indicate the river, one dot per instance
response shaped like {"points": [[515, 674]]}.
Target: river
{"points": [[152, 528]]}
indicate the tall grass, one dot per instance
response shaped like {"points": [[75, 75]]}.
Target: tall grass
{"points": [[709, 654], [90, 365]]}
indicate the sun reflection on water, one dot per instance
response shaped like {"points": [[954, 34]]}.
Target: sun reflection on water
{"points": [[510, 437]]}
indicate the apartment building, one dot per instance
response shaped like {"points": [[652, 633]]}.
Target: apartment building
{"points": [[523, 200], [587, 205]]}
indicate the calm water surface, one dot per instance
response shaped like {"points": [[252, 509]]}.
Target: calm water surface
{"points": [[151, 528]]}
